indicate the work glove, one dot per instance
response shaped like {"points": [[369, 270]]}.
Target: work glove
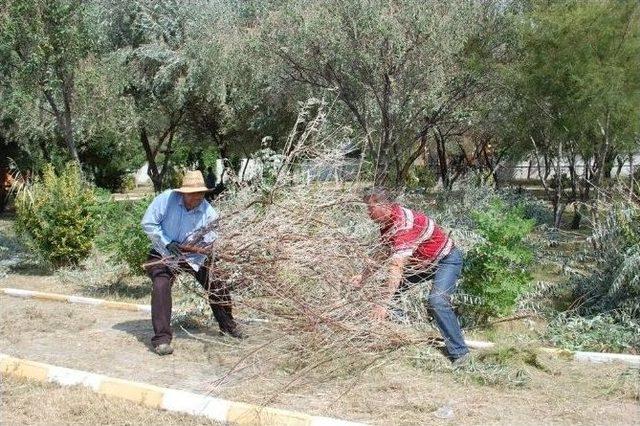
{"points": [[174, 249]]}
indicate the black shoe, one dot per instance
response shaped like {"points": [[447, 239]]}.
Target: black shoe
{"points": [[235, 332]]}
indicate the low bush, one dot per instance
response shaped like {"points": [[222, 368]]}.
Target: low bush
{"points": [[604, 306], [532, 207], [56, 214], [128, 183], [497, 269], [615, 253], [600, 333], [121, 236]]}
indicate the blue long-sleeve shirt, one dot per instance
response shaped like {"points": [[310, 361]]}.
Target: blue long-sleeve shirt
{"points": [[167, 219]]}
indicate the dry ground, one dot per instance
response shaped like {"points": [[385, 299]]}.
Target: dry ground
{"points": [[25, 402], [399, 392], [407, 388]]}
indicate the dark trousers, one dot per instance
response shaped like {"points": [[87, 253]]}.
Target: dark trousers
{"points": [[445, 277], [163, 277]]}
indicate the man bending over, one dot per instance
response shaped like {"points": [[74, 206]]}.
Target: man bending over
{"points": [[418, 251]]}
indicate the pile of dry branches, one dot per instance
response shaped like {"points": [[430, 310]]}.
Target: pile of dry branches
{"points": [[288, 256], [288, 252]]}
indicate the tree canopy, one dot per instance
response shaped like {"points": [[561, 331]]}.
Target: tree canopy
{"points": [[457, 86]]}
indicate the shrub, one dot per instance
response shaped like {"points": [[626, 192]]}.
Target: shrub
{"points": [[173, 178], [121, 237], [614, 258], [532, 207], [600, 333], [605, 304], [496, 271], [56, 214], [128, 183]]}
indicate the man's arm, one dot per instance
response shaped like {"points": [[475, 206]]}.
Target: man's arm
{"points": [[152, 219], [394, 278], [372, 266]]}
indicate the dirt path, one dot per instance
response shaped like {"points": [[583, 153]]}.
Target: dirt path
{"points": [[115, 343]]}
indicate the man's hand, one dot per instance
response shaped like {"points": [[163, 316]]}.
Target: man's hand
{"points": [[174, 249], [357, 281], [379, 313]]}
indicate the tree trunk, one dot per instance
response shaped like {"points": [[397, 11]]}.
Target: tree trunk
{"points": [[573, 176], [586, 186], [442, 158], [152, 169], [608, 165], [558, 212], [547, 165], [631, 176], [558, 194], [404, 172], [63, 119], [620, 161], [541, 176], [577, 217], [167, 155]]}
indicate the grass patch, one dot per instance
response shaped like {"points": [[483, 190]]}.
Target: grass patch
{"points": [[507, 366], [627, 385]]}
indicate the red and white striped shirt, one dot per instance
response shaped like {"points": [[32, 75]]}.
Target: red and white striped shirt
{"points": [[416, 235]]}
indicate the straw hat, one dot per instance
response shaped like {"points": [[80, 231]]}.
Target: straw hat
{"points": [[193, 182]]}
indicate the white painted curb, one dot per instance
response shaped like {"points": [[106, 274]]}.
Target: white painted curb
{"points": [[221, 410], [593, 357], [599, 357], [479, 344], [75, 299]]}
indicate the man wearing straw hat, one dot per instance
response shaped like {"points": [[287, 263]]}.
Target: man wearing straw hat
{"points": [[171, 218]]}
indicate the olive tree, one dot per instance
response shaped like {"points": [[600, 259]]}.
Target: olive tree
{"points": [[578, 86], [42, 42], [394, 66]]}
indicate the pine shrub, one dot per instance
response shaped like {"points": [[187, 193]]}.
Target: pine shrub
{"points": [[56, 215]]}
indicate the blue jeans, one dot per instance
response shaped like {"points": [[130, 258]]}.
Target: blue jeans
{"points": [[438, 300]]}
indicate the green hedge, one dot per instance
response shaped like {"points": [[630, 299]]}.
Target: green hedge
{"points": [[121, 236], [497, 269], [56, 215]]}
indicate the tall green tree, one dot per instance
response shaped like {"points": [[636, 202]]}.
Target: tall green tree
{"points": [[42, 42], [578, 81], [393, 65], [178, 64]]}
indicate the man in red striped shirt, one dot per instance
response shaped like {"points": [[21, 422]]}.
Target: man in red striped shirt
{"points": [[418, 250]]}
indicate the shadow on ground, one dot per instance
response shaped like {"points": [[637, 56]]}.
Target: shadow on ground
{"points": [[142, 330], [30, 269], [15, 257], [121, 288]]}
